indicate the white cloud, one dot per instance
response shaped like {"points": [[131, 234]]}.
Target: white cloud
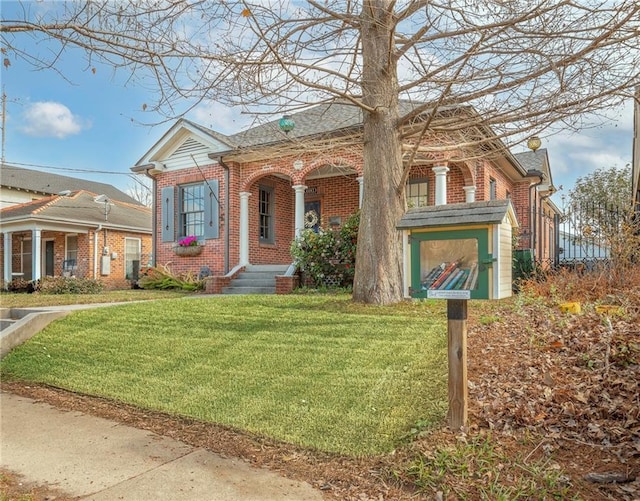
{"points": [[51, 119], [220, 118]]}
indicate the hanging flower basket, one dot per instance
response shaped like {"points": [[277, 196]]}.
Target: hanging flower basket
{"points": [[191, 250]]}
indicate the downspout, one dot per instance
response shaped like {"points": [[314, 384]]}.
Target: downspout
{"points": [[95, 251], [227, 191], [533, 206]]}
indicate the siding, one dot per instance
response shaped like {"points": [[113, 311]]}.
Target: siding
{"points": [[184, 156]]}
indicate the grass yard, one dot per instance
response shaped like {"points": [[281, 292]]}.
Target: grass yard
{"points": [[317, 371], [15, 300]]}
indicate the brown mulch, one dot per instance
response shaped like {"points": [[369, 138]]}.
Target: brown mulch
{"points": [[569, 384]]}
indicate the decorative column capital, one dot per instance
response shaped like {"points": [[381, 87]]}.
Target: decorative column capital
{"points": [[470, 193], [440, 170]]}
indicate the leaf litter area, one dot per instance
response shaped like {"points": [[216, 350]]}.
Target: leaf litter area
{"points": [[571, 379], [554, 413]]}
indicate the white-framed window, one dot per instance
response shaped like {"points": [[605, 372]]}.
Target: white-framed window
{"points": [[417, 193], [132, 251], [26, 259], [70, 263], [191, 210]]}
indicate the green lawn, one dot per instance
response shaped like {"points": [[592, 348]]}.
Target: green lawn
{"points": [[17, 300], [318, 371]]}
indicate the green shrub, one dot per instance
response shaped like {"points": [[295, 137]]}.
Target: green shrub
{"points": [[69, 285], [21, 285], [328, 257], [162, 277]]}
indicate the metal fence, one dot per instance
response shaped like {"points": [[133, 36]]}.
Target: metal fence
{"points": [[581, 237]]}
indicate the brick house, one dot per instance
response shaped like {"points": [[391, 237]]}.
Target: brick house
{"points": [[246, 196], [102, 233]]}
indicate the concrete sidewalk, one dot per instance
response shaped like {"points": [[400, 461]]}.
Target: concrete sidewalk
{"points": [[101, 460]]}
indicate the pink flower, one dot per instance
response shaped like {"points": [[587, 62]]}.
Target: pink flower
{"points": [[190, 241]]}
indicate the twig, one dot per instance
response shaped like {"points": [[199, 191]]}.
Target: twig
{"points": [[608, 352], [534, 450]]}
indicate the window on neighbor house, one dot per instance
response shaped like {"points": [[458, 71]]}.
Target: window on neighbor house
{"points": [[265, 211], [70, 263], [417, 193], [132, 258], [191, 210], [493, 190], [26, 259]]}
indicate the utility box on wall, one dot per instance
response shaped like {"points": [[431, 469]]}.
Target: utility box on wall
{"points": [[460, 251]]}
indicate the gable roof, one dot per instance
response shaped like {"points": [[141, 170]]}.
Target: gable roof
{"points": [[486, 212], [538, 160], [45, 183], [80, 209], [176, 135]]}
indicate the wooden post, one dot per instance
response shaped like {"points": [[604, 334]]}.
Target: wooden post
{"points": [[457, 342]]}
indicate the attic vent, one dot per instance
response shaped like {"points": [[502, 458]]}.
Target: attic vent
{"points": [[188, 147]]}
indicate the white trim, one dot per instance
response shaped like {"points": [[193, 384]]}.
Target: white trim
{"points": [[175, 137], [124, 257]]}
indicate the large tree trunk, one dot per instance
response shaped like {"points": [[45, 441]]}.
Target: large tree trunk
{"points": [[378, 277]]}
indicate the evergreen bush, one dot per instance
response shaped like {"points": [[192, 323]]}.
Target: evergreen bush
{"points": [[328, 257]]}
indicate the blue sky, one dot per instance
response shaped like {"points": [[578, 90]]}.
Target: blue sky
{"points": [[89, 123]]}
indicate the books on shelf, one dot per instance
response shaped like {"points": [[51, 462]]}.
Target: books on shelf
{"points": [[451, 276]]}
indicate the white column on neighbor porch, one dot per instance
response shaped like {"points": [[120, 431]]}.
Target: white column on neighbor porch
{"points": [[299, 209], [244, 228], [8, 258], [360, 191], [469, 193], [441, 184], [36, 251]]}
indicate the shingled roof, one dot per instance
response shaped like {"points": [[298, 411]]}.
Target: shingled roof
{"points": [[333, 117], [81, 209], [45, 183], [487, 212]]}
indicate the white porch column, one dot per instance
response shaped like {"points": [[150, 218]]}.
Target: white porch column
{"points": [[361, 191], [7, 258], [244, 228], [299, 210], [469, 193], [36, 253], [441, 184]]}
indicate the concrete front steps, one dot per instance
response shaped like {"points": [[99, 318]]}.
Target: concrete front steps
{"points": [[256, 279]]}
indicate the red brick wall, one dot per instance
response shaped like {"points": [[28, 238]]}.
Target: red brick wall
{"points": [[338, 196], [212, 255]]}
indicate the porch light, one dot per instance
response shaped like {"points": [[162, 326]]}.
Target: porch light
{"points": [[286, 124], [533, 143]]}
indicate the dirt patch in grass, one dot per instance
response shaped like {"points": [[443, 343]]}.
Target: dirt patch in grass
{"points": [[546, 388]]}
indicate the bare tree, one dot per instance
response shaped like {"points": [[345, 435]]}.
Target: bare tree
{"points": [[140, 190], [524, 66]]}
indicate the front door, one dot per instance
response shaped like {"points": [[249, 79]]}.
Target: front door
{"points": [[48, 258], [312, 215]]}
